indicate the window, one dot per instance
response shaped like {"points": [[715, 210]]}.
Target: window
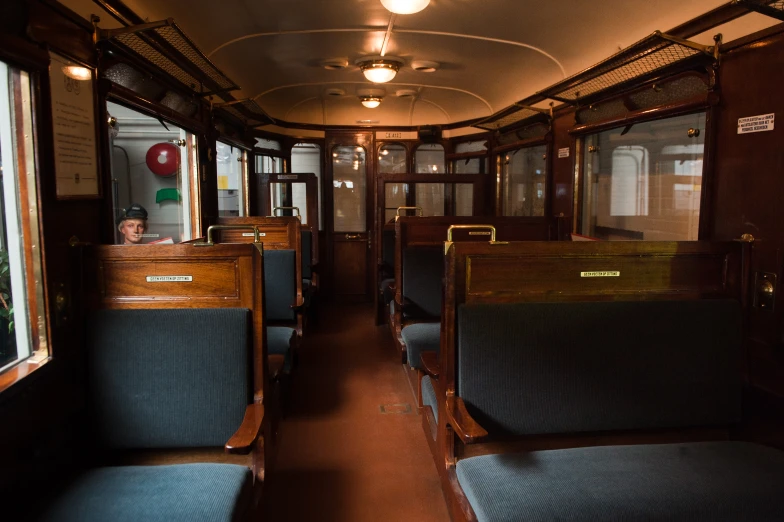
{"points": [[524, 178], [348, 188], [392, 159], [231, 179], [153, 165], [430, 159], [463, 193], [644, 182], [306, 158], [22, 324]]}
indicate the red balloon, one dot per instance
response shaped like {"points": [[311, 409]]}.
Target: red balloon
{"points": [[163, 159]]}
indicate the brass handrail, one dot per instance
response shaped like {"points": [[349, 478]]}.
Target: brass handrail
{"points": [[409, 208], [209, 242], [491, 228], [298, 216]]}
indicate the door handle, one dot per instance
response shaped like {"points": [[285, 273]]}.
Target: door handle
{"points": [[353, 236]]}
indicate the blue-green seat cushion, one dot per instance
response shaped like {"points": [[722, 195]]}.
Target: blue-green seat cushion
{"points": [[423, 270], [280, 284], [279, 343], [429, 395], [178, 493], [421, 337], [667, 482]]}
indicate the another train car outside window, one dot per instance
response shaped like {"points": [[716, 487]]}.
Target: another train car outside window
{"points": [[231, 179], [305, 158], [152, 166], [22, 314], [644, 182]]}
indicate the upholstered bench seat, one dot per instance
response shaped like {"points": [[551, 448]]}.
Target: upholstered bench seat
{"points": [[421, 337], [279, 343], [694, 481], [178, 493], [429, 395]]}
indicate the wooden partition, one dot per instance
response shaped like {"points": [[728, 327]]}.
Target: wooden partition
{"points": [[189, 276], [565, 272], [433, 232], [182, 276], [276, 233]]}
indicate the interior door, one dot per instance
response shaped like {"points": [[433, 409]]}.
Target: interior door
{"points": [[351, 217]]}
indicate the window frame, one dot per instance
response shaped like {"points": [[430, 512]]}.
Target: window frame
{"points": [[30, 220]]}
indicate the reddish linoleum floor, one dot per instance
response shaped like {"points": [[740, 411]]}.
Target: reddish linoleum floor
{"points": [[339, 457]]}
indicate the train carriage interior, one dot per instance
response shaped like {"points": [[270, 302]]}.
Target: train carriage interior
{"points": [[422, 260]]}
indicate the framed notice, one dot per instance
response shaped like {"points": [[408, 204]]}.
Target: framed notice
{"points": [[75, 130]]}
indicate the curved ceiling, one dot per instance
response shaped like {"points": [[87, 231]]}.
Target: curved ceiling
{"points": [[490, 53]]}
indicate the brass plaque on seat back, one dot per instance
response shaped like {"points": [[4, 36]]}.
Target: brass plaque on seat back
{"points": [[170, 279]]}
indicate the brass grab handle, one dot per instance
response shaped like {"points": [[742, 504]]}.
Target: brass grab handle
{"points": [[256, 237], [353, 236], [467, 227], [299, 216], [491, 228], [408, 208]]}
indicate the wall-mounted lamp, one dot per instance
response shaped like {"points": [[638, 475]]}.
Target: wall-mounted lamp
{"points": [[371, 102], [77, 72], [379, 69], [405, 6]]}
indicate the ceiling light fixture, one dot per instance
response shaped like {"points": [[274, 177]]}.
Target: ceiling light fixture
{"points": [[371, 102], [379, 69], [405, 6], [77, 72]]}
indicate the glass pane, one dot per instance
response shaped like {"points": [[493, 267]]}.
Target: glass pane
{"points": [[392, 160], [348, 170], [306, 157], [464, 199], [22, 328], [150, 176], [430, 196], [646, 183], [524, 181], [471, 146], [469, 166], [230, 180], [269, 164], [267, 144], [430, 159]]}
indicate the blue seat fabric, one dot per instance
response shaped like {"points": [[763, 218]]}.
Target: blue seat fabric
{"points": [[143, 369], [429, 395], [175, 493], [279, 343], [666, 482], [386, 291], [418, 338], [539, 368], [280, 284], [423, 270]]}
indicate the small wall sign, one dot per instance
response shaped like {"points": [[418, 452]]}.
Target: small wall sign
{"points": [[563, 153], [251, 234], [287, 176], [170, 279], [610, 273], [761, 123]]}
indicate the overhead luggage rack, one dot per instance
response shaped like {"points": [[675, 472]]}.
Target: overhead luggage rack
{"points": [[509, 116], [167, 48], [641, 60], [773, 9], [247, 111]]}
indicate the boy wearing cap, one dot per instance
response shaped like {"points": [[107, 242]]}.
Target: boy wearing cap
{"points": [[132, 224]]}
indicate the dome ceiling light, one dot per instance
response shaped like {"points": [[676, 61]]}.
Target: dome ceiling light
{"points": [[425, 66], [379, 69], [405, 6], [371, 102]]}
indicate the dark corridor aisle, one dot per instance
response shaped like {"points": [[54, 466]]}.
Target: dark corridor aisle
{"points": [[339, 457]]}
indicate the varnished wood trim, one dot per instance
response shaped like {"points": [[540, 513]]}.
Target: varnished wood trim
{"points": [[243, 440], [430, 364], [466, 428]]}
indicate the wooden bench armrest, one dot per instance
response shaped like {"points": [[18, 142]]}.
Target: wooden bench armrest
{"points": [[430, 364], [467, 429], [299, 305], [244, 439]]}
